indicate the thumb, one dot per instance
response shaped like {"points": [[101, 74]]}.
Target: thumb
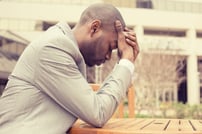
{"points": [[118, 26]]}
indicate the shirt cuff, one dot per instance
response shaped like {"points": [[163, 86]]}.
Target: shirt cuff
{"points": [[128, 64]]}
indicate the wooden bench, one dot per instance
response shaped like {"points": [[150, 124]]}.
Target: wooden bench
{"points": [[121, 111]]}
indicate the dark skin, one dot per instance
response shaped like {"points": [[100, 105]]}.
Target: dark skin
{"points": [[127, 42], [96, 43]]}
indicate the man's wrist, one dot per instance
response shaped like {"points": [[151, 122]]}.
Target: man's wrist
{"points": [[127, 63]]}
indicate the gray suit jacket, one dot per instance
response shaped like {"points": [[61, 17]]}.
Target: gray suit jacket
{"points": [[47, 90]]}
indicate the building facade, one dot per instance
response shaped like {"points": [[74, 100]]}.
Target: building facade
{"points": [[172, 26]]}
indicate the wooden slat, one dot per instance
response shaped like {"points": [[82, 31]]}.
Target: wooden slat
{"points": [[110, 123], [142, 123], [157, 125], [131, 122], [185, 126], [196, 124], [118, 124], [121, 110], [173, 125]]}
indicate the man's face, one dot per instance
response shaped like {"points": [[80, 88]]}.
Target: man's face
{"points": [[100, 47]]}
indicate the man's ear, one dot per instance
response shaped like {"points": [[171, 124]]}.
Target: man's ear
{"points": [[95, 26]]}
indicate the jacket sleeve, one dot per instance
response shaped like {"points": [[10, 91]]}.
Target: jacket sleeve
{"points": [[59, 77]]}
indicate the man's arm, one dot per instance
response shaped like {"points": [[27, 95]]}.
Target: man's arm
{"points": [[128, 48], [59, 77]]}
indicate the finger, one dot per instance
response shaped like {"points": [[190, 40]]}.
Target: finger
{"points": [[131, 43], [131, 37], [135, 47], [118, 26], [130, 33], [126, 29], [119, 30]]}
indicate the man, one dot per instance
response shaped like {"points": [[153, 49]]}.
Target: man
{"points": [[47, 90]]}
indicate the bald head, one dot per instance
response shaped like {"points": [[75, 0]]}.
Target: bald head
{"points": [[106, 13]]}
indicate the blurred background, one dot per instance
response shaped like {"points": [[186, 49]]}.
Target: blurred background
{"points": [[168, 71]]}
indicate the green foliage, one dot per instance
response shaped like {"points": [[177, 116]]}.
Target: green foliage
{"points": [[142, 116], [176, 111], [183, 111]]}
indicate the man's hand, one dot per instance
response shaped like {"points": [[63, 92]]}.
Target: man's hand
{"points": [[127, 43]]}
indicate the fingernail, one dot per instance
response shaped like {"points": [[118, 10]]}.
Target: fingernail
{"points": [[118, 23]]}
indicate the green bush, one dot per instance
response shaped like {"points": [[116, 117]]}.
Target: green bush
{"points": [[176, 110], [183, 111]]}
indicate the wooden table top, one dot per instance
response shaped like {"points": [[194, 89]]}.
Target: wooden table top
{"points": [[141, 126]]}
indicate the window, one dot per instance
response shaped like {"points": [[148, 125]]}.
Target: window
{"points": [[144, 4], [174, 33], [199, 34]]}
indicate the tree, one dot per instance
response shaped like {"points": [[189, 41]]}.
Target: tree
{"points": [[156, 78]]}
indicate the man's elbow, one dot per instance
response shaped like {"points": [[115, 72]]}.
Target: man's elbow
{"points": [[99, 121], [99, 124]]}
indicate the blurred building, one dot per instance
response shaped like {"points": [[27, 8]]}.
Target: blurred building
{"points": [[170, 25]]}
